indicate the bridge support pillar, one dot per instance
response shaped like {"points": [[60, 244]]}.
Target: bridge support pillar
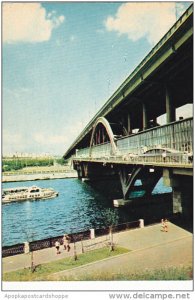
{"points": [[129, 124], [170, 108], [79, 171], [177, 201], [183, 196], [145, 117], [182, 186], [82, 170], [127, 179]]}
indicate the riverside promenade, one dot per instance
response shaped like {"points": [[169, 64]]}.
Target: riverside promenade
{"points": [[150, 248]]}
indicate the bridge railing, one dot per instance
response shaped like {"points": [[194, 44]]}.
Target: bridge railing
{"points": [[170, 158], [170, 143], [175, 136], [74, 237], [97, 151], [82, 152], [103, 150]]}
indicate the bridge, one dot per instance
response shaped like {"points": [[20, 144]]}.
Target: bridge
{"points": [[124, 138]]}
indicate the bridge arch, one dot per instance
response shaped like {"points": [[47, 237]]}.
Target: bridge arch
{"points": [[104, 122]]}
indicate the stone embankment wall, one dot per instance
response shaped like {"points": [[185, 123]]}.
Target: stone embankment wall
{"points": [[38, 176]]}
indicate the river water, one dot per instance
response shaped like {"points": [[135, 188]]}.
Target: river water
{"points": [[78, 207]]}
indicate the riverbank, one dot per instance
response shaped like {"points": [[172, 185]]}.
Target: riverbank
{"points": [[149, 249], [39, 173]]}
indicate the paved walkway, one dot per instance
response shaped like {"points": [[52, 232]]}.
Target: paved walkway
{"points": [[150, 248]]}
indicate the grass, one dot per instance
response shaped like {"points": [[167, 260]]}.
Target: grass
{"points": [[43, 271], [171, 273]]}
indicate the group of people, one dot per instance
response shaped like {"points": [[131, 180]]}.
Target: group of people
{"points": [[66, 243], [67, 240], [164, 224]]}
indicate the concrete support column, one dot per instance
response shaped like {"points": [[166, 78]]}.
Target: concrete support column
{"points": [[99, 136], [171, 181], [167, 176], [145, 117], [182, 186], [103, 136], [177, 200], [183, 198], [79, 171], [170, 109], [129, 124]]}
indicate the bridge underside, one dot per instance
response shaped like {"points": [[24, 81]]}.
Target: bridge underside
{"points": [[121, 180]]}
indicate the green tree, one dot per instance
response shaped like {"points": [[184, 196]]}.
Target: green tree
{"points": [[110, 219], [60, 161]]}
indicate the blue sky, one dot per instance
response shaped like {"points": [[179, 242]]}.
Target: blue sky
{"points": [[62, 61]]}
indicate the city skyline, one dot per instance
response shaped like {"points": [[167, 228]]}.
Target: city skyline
{"points": [[62, 61]]}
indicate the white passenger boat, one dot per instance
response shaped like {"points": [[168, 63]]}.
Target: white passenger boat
{"points": [[27, 193]]}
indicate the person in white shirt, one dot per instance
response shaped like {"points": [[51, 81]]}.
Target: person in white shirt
{"points": [[57, 245]]}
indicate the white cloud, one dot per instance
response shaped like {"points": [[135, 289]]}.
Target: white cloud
{"points": [[15, 140], [11, 137], [43, 139], [28, 22], [16, 93], [100, 31], [37, 143], [144, 19], [11, 141], [72, 38], [56, 143]]}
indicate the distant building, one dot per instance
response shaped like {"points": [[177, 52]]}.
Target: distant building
{"points": [[27, 155]]}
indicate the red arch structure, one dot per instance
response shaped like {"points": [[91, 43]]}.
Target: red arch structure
{"points": [[104, 122]]}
